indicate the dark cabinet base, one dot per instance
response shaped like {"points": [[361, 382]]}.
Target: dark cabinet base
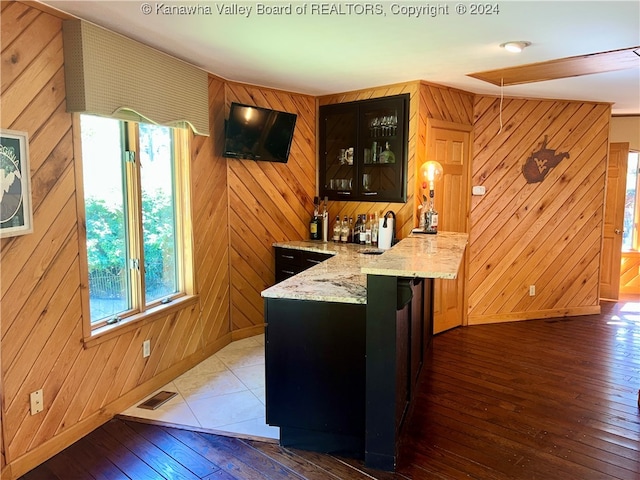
{"points": [[340, 377], [315, 374]]}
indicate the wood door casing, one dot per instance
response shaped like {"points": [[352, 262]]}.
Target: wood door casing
{"points": [[450, 144], [613, 221]]}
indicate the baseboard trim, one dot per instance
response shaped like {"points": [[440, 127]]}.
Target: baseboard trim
{"points": [[48, 449], [247, 332], [538, 314]]}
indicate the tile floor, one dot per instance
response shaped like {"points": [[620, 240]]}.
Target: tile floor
{"points": [[224, 394]]}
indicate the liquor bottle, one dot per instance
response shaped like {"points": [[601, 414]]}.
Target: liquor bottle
{"points": [[356, 230], [315, 225], [387, 156], [324, 218], [337, 229], [344, 230], [431, 220], [351, 231], [367, 229], [363, 232], [374, 229]]}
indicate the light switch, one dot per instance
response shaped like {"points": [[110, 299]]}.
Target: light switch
{"points": [[478, 190]]}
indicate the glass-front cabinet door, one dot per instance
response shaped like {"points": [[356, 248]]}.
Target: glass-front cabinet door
{"points": [[363, 150], [339, 131]]}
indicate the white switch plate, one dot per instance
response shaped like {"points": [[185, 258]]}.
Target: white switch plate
{"points": [[532, 290], [146, 348], [37, 402]]}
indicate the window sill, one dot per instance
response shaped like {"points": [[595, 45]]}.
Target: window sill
{"points": [[108, 332]]}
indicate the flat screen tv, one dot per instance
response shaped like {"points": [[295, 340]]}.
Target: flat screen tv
{"points": [[258, 133]]}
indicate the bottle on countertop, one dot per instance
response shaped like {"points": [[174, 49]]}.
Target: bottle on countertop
{"points": [[356, 230], [374, 229], [362, 231], [337, 229], [431, 220], [352, 231], [315, 225], [325, 219], [367, 229], [344, 230]]}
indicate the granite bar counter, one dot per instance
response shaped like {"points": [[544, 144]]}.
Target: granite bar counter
{"points": [[343, 277], [346, 340]]}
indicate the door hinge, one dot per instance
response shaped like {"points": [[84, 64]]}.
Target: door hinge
{"points": [[130, 156], [135, 264]]}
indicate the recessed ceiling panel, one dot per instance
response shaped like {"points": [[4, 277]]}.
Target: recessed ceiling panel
{"points": [[563, 67]]}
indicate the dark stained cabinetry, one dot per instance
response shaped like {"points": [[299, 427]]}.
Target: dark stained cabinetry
{"points": [[319, 379], [290, 261], [363, 150]]}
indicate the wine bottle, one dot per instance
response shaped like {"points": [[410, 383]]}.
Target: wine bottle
{"points": [[315, 226]]}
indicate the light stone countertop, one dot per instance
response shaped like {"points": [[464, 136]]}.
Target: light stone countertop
{"points": [[343, 277]]}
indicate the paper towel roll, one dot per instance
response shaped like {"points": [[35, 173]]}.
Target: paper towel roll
{"points": [[385, 234]]}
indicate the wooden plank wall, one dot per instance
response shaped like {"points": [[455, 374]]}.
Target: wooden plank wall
{"points": [[545, 234], [630, 273], [268, 202], [41, 331], [426, 101]]}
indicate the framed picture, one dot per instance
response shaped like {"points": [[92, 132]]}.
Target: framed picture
{"points": [[16, 216]]}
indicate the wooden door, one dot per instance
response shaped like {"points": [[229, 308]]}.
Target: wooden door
{"points": [[613, 221], [450, 145]]}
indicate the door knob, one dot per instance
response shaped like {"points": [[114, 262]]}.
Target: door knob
{"points": [[617, 231]]}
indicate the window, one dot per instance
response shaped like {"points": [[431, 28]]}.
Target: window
{"points": [[133, 206], [630, 236]]}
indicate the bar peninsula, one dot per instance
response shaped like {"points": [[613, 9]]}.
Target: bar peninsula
{"points": [[346, 340]]}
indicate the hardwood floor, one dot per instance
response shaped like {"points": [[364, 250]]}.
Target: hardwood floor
{"points": [[542, 399]]}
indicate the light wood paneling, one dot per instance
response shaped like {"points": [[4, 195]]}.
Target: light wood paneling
{"points": [[630, 274], [268, 202], [41, 331], [546, 234]]}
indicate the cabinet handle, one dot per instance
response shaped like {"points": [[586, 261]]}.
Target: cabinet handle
{"points": [[369, 193], [290, 257], [313, 261], [288, 272]]}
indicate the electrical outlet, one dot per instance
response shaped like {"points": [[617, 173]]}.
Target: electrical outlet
{"points": [[146, 348], [532, 290], [37, 402]]}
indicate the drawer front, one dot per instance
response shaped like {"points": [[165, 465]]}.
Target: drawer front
{"points": [[309, 259], [286, 270], [290, 262], [288, 255]]}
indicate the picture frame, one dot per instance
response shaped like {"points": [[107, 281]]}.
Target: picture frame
{"points": [[16, 215]]}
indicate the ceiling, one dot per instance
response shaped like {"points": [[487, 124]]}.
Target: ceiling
{"points": [[345, 49]]}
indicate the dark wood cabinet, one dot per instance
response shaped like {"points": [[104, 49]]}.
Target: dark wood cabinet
{"points": [[320, 382], [290, 262], [363, 150]]}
